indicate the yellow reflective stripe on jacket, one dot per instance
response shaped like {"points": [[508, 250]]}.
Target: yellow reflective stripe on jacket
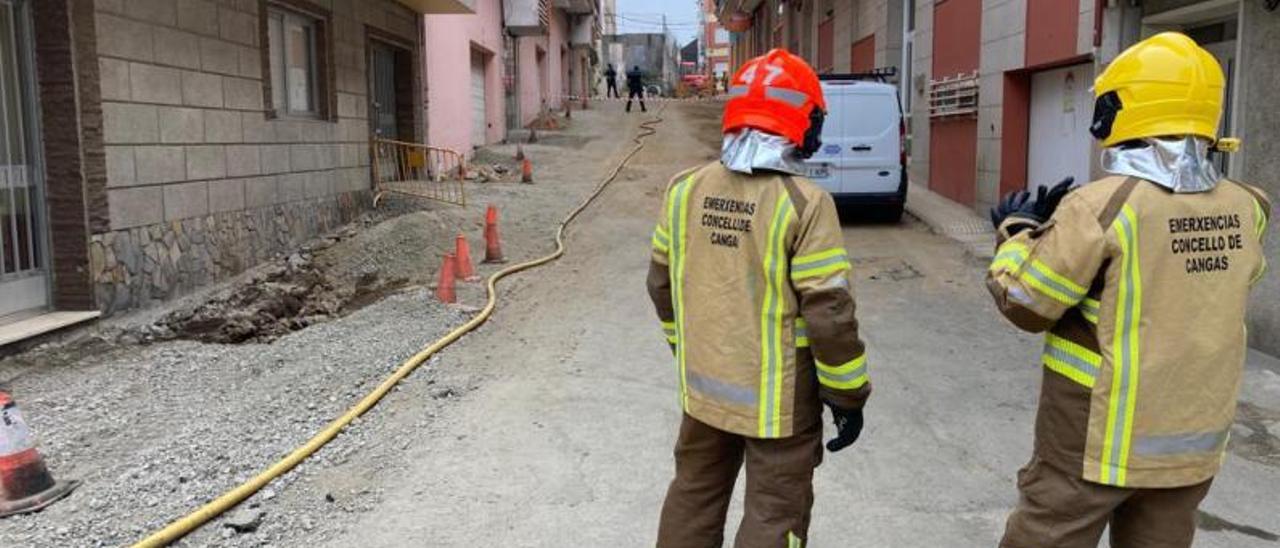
{"points": [[846, 376], [661, 240], [771, 314], [1012, 257], [1090, 309], [1261, 218], [819, 264], [1262, 230], [1071, 360], [1126, 358], [677, 212], [802, 333], [669, 329], [793, 541]]}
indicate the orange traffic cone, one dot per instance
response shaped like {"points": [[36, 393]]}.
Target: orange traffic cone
{"points": [[526, 171], [463, 267], [519, 152], [25, 483], [445, 290], [492, 243]]}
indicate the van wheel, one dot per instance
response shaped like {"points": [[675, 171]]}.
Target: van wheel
{"points": [[891, 214]]}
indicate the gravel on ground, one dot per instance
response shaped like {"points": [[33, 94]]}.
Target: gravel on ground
{"points": [[157, 412]]}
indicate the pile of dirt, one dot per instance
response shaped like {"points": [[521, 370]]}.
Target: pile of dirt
{"points": [[285, 296], [490, 173], [548, 121]]}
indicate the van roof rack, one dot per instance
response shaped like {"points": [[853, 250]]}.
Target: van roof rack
{"points": [[879, 75]]}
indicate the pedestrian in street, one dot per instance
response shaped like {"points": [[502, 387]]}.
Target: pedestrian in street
{"points": [[611, 80], [635, 87], [751, 282], [1141, 281]]}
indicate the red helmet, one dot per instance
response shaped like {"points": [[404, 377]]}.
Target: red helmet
{"points": [[776, 93]]}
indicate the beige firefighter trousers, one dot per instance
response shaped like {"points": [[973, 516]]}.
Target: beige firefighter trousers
{"points": [[779, 490], [1060, 510]]}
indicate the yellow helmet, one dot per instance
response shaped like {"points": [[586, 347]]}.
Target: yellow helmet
{"points": [[1162, 86]]}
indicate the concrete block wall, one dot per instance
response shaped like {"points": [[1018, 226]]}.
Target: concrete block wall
{"points": [[1260, 157], [1004, 40], [922, 65], [188, 138]]}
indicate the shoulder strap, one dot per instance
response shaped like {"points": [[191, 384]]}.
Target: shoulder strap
{"points": [[1257, 195], [1116, 202], [793, 190]]}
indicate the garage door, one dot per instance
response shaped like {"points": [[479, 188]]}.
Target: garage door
{"points": [[478, 114], [1061, 111]]}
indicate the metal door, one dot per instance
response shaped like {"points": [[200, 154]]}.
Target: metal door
{"points": [[1061, 111], [383, 61], [1225, 53], [479, 100], [24, 284]]}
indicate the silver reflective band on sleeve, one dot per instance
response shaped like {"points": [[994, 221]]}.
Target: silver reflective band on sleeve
{"points": [[790, 96], [738, 91], [721, 390], [1180, 444]]}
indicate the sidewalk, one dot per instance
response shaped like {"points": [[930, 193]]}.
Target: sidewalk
{"points": [[952, 220]]}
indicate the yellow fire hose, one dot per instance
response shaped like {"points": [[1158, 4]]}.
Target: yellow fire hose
{"points": [[226, 501]]}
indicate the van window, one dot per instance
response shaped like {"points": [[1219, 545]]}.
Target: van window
{"points": [[868, 115]]}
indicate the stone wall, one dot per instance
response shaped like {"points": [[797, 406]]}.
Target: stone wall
{"points": [[203, 177], [136, 266]]}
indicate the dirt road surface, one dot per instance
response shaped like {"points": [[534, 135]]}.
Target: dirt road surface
{"points": [[553, 424]]}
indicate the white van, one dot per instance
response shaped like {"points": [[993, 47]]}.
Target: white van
{"points": [[863, 158]]}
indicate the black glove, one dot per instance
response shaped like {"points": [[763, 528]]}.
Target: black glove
{"points": [[848, 427], [1038, 211]]}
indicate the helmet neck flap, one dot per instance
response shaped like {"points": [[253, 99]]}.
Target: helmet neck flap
{"points": [[1180, 164], [750, 150]]}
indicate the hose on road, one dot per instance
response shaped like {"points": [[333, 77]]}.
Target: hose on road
{"points": [[228, 500]]}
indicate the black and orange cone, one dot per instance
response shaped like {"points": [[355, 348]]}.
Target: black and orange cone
{"points": [[25, 483], [462, 260], [445, 288], [492, 241]]}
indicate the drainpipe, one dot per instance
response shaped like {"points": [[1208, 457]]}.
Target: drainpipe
{"points": [[1098, 8]]}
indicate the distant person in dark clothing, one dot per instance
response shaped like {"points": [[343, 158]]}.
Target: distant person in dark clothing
{"points": [[611, 78], [635, 87]]}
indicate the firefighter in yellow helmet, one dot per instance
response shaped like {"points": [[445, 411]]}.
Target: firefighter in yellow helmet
{"points": [[751, 282], [1140, 281]]}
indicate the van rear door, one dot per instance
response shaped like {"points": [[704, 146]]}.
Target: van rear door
{"points": [[861, 142]]}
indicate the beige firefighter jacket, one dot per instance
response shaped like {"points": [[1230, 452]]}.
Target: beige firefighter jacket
{"points": [[1142, 293], [751, 282]]}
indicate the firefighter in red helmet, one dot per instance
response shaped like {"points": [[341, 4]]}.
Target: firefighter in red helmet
{"points": [[751, 282]]}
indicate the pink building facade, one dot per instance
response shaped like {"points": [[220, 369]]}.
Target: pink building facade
{"points": [[543, 68], [466, 104]]}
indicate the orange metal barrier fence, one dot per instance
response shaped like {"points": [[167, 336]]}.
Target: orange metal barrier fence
{"points": [[418, 170]]}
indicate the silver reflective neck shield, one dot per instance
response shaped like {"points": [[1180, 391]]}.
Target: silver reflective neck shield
{"points": [[1181, 165], [750, 150]]}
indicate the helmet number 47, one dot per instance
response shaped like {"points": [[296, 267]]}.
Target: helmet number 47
{"points": [[749, 75]]}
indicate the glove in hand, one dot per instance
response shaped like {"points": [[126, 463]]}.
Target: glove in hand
{"points": [[1020, 204], [848, 427]]}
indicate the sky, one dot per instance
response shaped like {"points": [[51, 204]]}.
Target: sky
{"points": [[646, 16]]}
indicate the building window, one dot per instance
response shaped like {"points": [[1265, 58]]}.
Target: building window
{"points": [[721, 36], [294, 63]]}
